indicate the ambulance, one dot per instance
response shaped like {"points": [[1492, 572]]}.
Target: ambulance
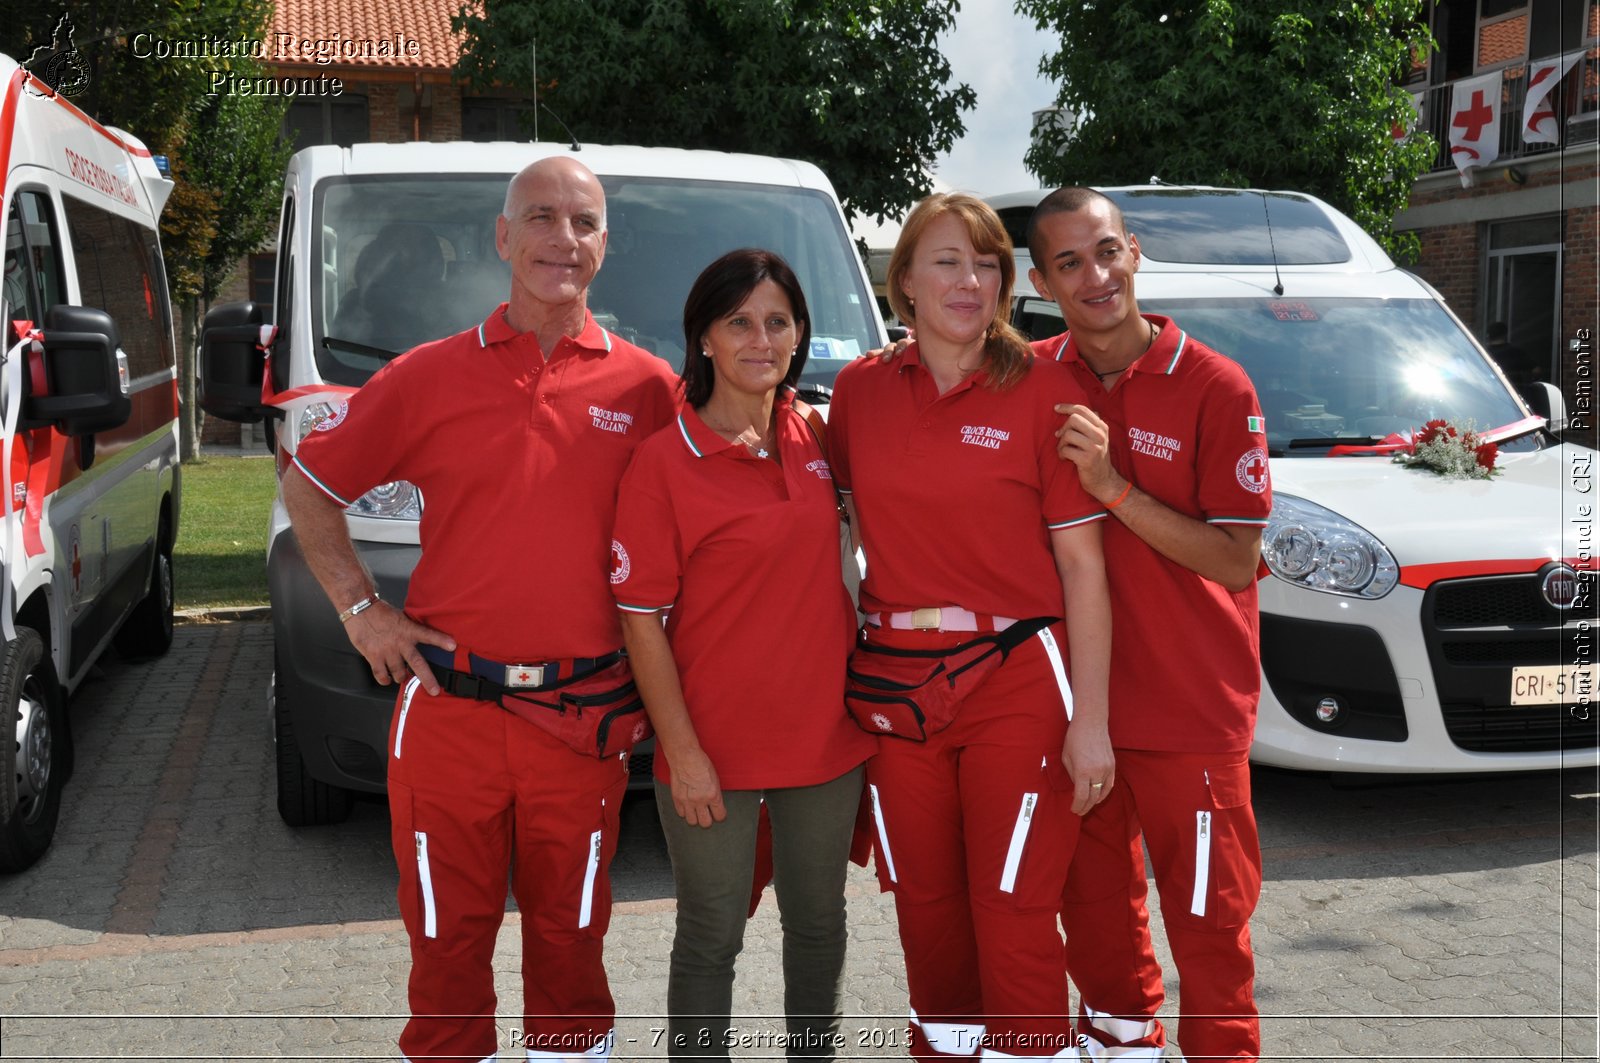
{"points": [[88, 429], [1410, 623], [385, 246]]}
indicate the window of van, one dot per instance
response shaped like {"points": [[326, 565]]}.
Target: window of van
{"points": [[1228, 227], [34, 281], [418, 262], [1336, 371], [120, 271]]}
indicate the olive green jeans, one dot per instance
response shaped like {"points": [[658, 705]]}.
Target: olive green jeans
{"points": [[713, 868]]}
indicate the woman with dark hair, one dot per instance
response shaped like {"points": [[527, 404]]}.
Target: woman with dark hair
{"points": [[730, 520], [975, 533]]}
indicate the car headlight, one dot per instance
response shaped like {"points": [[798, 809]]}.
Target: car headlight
{"points": [[399, 500], [1316, 548]]}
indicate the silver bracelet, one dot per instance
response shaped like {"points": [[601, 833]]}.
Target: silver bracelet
{"points": [[366, 603]]}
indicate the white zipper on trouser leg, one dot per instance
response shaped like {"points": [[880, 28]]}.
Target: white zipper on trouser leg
{"points": [[1202, 863], [430, 917], [1019, 841], [1054, 653], [586, 905], [405, 707], [883, 833]]}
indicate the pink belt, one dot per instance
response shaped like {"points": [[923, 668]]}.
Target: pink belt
{"points": [[940, 618]]}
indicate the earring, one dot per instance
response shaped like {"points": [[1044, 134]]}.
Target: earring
{"points": [[705, 353]]}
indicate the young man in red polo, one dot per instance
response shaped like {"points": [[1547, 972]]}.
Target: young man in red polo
{"points": [[497, 427], [1171, 440]]}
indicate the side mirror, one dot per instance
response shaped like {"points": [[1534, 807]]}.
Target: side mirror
{"points": [[232, 361], [897, 333], [85, 374], [1546, 400]]}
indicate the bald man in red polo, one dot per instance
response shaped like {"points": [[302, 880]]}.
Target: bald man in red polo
{"points": [[517, 432]]}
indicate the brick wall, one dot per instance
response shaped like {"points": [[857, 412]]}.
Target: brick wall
{"points": [[1451, 263], [383, 113], [1452, 257], [446, 113], [391, 111]]}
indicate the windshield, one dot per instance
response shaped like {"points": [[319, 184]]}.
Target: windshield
{"points": [[406, 259], [1339, 370]]}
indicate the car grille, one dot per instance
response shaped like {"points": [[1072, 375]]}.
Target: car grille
{"points": [[1477, 630], [1489, 603]]}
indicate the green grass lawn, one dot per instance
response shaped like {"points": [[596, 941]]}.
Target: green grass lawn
{"points": [[221, 555]]}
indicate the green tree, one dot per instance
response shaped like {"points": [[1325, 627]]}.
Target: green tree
{"points": [[857, 87], [231, 173], [1296, 94], [223, 150]]}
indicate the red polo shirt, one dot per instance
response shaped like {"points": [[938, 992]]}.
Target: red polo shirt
{"points": [[1186, 429], [957, 493], [745, 553], [518, 457]]}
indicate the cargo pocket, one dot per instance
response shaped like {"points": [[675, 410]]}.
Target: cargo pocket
{"points": [[1227, 869], [414, 862]]}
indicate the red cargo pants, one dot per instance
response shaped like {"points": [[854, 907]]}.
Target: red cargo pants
{"points": [[473, 790]]}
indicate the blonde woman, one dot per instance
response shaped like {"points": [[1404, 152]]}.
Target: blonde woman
{"points": [[973, 528]]}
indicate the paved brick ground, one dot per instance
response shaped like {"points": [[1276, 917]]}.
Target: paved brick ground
{"points": [[178, 918]]}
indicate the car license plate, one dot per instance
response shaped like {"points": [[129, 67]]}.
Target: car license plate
{"points": [[1551, 684]]}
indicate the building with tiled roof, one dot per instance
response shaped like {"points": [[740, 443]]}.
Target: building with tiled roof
{"points": [[382, 37], [396, 62]]}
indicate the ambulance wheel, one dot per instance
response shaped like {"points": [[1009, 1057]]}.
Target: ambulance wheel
{"points": [[148, 629], [30, 785], [303, 801]]}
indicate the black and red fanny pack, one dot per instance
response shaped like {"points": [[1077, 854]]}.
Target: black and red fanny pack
{"points": [[598, 713], [912, 694]]}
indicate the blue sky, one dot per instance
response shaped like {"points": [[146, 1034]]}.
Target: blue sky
{"points": [[997, 52]]}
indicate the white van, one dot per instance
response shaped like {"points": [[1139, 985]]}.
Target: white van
{"points": [[88, 427], [384, 246], [1410, 623]]}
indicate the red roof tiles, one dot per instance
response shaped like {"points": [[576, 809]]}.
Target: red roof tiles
{"points": [[369, 34]]}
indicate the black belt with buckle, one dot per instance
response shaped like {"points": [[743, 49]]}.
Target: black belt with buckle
{"points": [[491, 680]]}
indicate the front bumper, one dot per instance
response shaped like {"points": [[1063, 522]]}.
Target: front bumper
{"points": [[1422, 687]]}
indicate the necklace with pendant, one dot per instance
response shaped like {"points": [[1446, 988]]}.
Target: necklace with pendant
{"points": [[759, 447]]}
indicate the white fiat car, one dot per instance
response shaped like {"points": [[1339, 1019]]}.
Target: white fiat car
{"points": [[1410, 623]]}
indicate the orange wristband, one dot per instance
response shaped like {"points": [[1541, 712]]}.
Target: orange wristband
{"points": [[1120, 498]]}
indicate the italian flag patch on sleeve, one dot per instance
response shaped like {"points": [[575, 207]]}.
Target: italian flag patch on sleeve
{"points": [[1255, 424]]}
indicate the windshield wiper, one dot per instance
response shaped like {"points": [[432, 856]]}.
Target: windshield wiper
{"points": [[1332, 441], [338, 344]]}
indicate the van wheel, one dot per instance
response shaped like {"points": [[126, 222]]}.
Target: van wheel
{"points": [[148, 629], [302, 800], [30, 783]]}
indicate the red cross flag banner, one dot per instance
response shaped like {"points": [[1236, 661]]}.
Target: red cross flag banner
{"points": [[1403, 129], [1475, 123], [1538, 113]]}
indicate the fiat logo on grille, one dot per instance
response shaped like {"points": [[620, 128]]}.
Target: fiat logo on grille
{"points": [[1559, 586]]}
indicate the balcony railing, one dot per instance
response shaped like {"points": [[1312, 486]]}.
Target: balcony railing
{"points": [[1576, 101]]}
